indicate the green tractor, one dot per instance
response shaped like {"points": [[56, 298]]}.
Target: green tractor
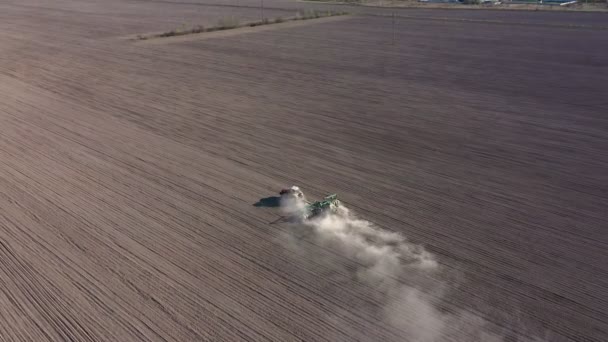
{"points": [[328, 204]]}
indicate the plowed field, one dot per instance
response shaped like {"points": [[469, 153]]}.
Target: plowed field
{"points": [[136, 177]]}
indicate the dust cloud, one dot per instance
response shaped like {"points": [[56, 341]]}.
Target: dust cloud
{"points": [[383, 260]]}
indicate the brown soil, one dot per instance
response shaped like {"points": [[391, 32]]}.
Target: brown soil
{"points": [[128, 171]]}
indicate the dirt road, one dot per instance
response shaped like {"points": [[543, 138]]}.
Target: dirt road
{"points": [[129, 173]]}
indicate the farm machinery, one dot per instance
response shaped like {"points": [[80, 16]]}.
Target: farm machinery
{"points": [[329, 204]]}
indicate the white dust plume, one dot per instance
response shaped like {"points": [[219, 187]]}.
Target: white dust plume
{"points": [[383, 259]]}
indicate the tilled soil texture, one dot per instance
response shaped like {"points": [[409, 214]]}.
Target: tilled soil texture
{"points": [[136, 177]]}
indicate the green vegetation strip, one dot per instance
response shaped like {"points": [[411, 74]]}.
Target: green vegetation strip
{"points": [[233, 23]]}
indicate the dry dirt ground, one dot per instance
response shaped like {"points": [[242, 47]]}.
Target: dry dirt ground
{"points": [[129, 173]]}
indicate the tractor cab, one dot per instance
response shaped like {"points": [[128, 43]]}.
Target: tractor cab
{"points": [[292, 192]]}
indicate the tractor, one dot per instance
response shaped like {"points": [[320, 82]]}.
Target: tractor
{"points": [[328, 204]]}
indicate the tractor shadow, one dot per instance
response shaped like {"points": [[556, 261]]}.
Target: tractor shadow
{"points": [[268, 202], [275, 202]]}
